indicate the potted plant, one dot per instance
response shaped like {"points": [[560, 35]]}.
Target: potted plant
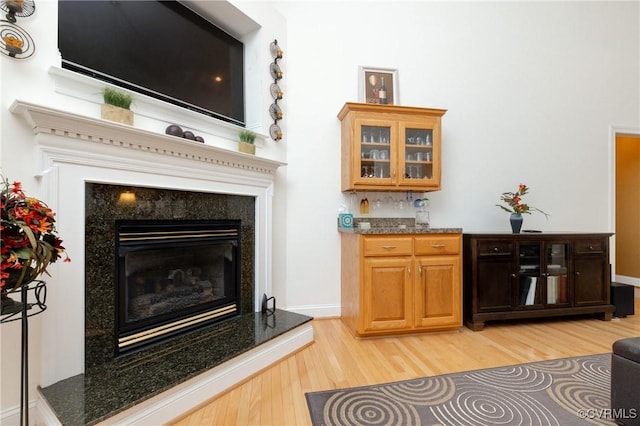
{"points": [[247, 142], [116, 106], [516, 207], [29, 241]]}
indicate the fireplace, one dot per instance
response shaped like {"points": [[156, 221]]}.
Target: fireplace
{"points": [[173, 277], [154, 244], [85, 165]]}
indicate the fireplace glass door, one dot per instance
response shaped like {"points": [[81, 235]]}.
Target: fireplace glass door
{"points": [[174, 276]]}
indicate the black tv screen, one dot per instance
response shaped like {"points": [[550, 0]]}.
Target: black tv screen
{"points": [[159, 48]]}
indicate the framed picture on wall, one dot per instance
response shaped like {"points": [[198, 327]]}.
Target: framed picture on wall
{"points": [[378, 86]]}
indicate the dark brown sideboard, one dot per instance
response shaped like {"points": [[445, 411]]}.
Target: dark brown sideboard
{"points": [[533, 275]]}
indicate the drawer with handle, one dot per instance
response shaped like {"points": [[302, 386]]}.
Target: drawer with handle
{"points": [[388, 246], [441, 244], [590, 246], [494, 248]]}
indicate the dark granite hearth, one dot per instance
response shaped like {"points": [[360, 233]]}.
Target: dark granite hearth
{"points": [[110, 388]]}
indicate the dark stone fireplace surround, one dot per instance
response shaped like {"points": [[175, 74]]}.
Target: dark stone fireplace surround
{"points": [[103, 208]]}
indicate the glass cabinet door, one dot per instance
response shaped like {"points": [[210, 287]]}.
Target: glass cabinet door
{"points": [[375, 152], [556, 259], [417, 155], [529, 284]]}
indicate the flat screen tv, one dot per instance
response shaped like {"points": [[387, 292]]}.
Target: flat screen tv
{"points": [[159, 48]]}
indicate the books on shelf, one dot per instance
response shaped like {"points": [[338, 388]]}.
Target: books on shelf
{"points": [[557, 291], [552, 289], [531, 295], [529, 267], [528, 290]]}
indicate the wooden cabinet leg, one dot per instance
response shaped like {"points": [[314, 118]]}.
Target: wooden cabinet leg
{"points": [[475, 325], [606, 316]]}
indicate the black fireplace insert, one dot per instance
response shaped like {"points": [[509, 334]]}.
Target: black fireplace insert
{"points": [[174, 276]]}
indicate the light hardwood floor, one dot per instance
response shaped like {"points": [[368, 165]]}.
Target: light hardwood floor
{"points": [[338, 360]]}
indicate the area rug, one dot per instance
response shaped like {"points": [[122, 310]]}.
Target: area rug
{"points": [[561, 392]]}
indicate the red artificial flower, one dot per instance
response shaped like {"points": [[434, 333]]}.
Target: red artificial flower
{"points": [[514, 201], [27, 235]]}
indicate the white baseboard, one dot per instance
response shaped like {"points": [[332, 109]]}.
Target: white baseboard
{"points": [[44, 414], [316, 311], [11, 416], [627, 280], [180, 399]]}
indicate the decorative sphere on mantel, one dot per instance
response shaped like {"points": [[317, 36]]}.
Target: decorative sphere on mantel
{"points": [[174, 130], [189, 135]]}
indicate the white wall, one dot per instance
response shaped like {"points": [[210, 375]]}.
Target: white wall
{"points": [[531, 90]]}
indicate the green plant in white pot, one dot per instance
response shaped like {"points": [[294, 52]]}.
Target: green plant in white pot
{"points": [[247, 142], [116, 106]]}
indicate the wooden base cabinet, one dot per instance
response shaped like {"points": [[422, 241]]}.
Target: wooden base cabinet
{"points": [[512, 276], [401, 283]]}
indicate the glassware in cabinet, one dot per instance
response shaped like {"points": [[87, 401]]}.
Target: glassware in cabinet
{"points": [[375, 151], [417, 155]]}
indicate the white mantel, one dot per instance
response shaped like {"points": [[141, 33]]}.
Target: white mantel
{"points": [[72, 149], [46, 120]]}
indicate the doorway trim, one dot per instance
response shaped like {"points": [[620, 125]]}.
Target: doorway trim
{"points": [[615, 130]]}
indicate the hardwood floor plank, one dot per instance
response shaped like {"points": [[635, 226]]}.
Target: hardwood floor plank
{"points": [[246, 390], [255, 401], [275, 396], [266, 406], [279, 388], [232, 403]]}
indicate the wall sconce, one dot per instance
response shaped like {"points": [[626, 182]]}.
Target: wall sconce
{"points": [[276, 93], [127, 198], [14, 41], [19, 8]]}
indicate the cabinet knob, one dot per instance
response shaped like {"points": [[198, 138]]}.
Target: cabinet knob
{"points": [[437, 246], [389, 247], [577, 273], [496, 249], [513, 275]]}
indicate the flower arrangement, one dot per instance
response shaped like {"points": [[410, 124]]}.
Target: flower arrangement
{"points": [[28, 236], [514, 201]]}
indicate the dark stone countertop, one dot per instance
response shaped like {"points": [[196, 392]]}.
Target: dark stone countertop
{"points": [[103, 391], [386, 226]]}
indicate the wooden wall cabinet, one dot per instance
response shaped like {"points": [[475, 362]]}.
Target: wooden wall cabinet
{"points": [[512, 276], [390, 148], [401, 283]]}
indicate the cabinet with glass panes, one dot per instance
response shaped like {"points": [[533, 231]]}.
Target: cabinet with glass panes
{"points": [[387, 148], [542, 274], [535, 275]]}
